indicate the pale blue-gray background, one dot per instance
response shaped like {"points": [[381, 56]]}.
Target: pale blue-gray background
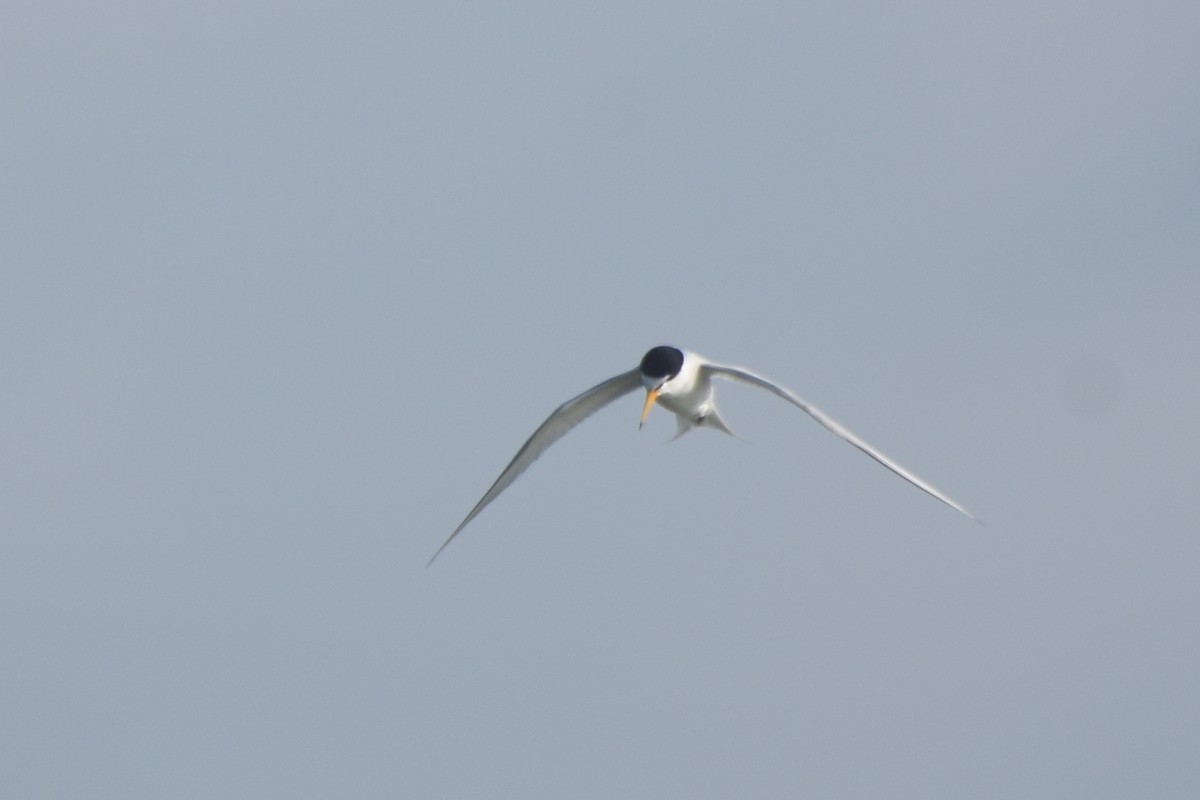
{"points": [[284, 286]]}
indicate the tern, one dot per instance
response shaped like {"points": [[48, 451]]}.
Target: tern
{"points": [[680, 382]]}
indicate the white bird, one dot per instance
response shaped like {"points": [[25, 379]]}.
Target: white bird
{"points": [[680, 382]]}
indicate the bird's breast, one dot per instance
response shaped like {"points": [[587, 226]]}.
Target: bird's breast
{"points": [[693, 405]]}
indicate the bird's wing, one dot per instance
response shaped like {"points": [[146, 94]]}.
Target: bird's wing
{"points": [[737, 373], [565, 417]]}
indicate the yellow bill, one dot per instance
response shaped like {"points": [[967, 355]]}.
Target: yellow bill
{"points": [[651, 396]]}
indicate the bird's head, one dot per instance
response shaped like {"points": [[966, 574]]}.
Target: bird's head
{"points": [[659, 365]]}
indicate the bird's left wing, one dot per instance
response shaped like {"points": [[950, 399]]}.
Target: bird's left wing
{"points": [[564, 418], [737, 373]]}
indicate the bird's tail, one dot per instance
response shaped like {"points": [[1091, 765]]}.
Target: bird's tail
{"points": [[713, 420], [682, 426], [709, 420]]}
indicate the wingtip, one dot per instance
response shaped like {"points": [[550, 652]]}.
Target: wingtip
{"points": [[450, 538], [970, 516], [429, 563]]}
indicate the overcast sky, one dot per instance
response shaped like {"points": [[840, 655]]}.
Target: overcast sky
{"points": [[284, 287]]}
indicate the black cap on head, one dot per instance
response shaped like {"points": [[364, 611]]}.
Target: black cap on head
{"points": [[662, 362]]}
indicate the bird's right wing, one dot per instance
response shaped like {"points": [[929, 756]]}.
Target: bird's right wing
{"points": [[564, 418], [737, 373]]}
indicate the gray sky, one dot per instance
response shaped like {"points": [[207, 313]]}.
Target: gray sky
{"points": [[285, 286]]}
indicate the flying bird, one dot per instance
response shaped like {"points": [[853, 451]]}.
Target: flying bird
{"points": [[680, 382]]}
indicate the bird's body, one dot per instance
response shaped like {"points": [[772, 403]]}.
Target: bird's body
{"points": [[680, 382], [689, 395]]}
